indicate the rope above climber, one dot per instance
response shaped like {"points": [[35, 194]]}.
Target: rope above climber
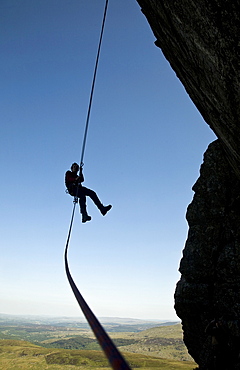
{"points": [[74, 186]]}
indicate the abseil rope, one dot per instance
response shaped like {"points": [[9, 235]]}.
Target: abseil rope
{"points": [[93, 84], [115, 358]]}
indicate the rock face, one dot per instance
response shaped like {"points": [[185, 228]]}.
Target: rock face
{"points": [[201, 40], [210, 284]]}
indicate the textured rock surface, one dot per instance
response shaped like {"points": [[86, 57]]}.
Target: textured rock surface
{"points": [[201, 40], [210, 283]]}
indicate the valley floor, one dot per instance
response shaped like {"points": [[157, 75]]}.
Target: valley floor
{"points": [[41, 345], [16, 355]]}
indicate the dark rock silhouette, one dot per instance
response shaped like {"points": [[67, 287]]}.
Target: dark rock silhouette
{"points": [[209, 287], [201, 40]]}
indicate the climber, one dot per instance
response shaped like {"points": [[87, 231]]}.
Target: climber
{"points": [[75, 188]]}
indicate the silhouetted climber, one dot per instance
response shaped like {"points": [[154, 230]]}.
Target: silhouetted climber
{"points": [[74, 185]]}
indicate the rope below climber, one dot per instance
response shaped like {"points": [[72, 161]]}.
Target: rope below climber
{"points": [[115, 358]]}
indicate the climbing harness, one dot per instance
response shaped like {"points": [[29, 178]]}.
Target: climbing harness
{"points": [[115, 358]]}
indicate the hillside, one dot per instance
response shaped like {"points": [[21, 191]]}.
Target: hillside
{"points": [[163, 341], [16, 354]]}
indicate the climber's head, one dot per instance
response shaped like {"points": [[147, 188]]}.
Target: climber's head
{"points": [[74, 167]]}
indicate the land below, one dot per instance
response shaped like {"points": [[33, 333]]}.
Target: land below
{"points": [[66, 343]]}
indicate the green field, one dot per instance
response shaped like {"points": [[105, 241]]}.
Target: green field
{"points": [[18, 354]]}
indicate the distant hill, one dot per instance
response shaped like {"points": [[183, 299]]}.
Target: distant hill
{"points": [[162, 341], [82, 342], [110, 323]]}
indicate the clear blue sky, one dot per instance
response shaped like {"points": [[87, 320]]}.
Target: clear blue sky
{"points": [[145, 146]]}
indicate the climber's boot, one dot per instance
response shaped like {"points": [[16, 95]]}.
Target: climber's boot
{"points": [[105, 209], [85, 217]]}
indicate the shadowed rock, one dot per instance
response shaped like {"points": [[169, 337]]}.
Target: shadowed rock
{"points": [[201, 41]]}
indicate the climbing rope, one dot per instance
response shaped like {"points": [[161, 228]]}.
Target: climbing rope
{"points": [[93, 84], [114, 356]]}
